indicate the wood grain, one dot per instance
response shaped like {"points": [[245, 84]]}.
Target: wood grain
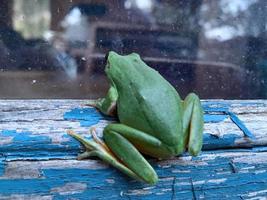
{"points": [[37, 157]]}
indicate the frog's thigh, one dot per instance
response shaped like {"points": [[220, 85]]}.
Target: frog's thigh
{"points": [[128, 154], [193, 123], [133, 134]]}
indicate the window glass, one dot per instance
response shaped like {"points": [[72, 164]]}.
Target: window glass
{"points": [[57, 48]]}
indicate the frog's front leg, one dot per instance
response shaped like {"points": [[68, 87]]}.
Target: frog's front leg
{"points": [[193, 123], [108, 104]]}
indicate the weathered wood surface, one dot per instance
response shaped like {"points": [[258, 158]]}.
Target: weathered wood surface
{"points": [[37, 157]]}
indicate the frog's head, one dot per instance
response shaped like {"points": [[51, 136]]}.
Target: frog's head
{"points": [[118, 66]]}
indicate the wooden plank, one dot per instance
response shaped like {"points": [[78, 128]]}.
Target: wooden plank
{"points": [[37, 128], [37, 158], [212, 175]]}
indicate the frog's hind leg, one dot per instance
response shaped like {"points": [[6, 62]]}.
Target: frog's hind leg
{"points": [[118, 136], [193, 123], [96, 148]]}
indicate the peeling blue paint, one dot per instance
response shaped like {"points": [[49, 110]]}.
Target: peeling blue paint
{"points": [[82, 114], [259, 149], [208, 118], [214, 142], [215, 106], [2, 166], [85, 123], [53, 178], [241, 125], [28, 145], [86, 116], [225, 104], [222, 111], [8, 133], [25, 136], [98, 187]]}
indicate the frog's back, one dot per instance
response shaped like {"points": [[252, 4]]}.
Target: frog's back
{"points": [[157, 106]]}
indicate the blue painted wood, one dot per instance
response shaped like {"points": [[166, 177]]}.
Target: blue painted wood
{"points": [[221, 171], [223, 110], [212, 142], [86, 116], [213, 179], [241, 125], [214, 118], [2, 165], [28, 144]]}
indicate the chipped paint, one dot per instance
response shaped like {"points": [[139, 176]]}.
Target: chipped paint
{"points": [[138, 192], [86, 116], [217, 181], [214, 118], [241, 125], [2, 166], [253, 194], [38, 157], [49, 135], [223, 114], [5, 140], [214, 142], [29, 197], [252, 159], [26, 144], [180, 171], [260, 171], [205, 178], [199, 182], [33, 169], [69, 188], [110, 181]]}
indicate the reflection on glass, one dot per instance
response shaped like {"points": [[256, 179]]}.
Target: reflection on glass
{"points": [[56, 49]]}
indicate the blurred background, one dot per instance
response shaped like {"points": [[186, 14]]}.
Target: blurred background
{"points": [[56, 48]]}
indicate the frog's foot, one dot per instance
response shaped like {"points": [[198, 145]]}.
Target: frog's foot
{"points": [[98, 148], [92, 146], [100, 142]]}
